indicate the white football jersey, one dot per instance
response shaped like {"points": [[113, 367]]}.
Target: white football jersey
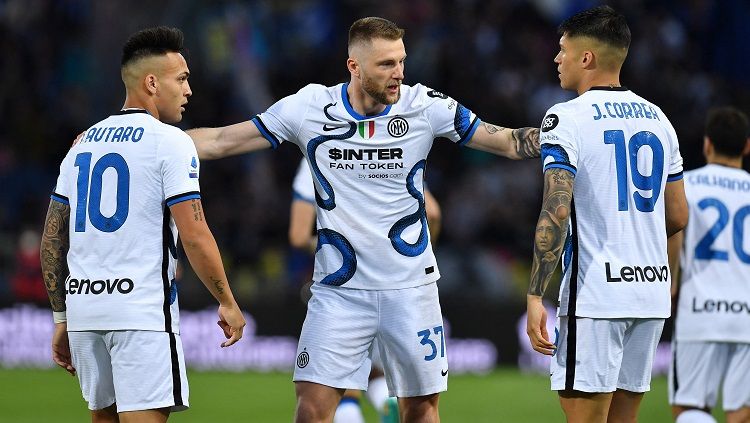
{"points": [[622, 150], [368, 173], [714, 300], [119, 181]]}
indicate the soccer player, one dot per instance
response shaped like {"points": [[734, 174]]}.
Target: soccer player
{"points": [[128, 185], [366, 143], [301, 225], [711, 345], [613, 192]]}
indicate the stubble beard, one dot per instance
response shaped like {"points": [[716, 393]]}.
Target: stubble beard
{"points": [[379, 94]]}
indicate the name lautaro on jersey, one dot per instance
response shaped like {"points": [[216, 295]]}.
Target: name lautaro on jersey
{"points": [[100, 286], [638, 273], [366, 155], [113, 134]]}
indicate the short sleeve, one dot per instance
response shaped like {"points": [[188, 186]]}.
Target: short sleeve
{"points": [[303, 186], [283, 120], [61, 193], [447, 117], [180, 167], [558, 140], [675, 158]]}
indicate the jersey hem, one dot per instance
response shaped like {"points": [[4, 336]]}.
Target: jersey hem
{"points": [[391, 286]]}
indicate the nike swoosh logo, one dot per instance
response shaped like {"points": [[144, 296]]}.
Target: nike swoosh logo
{"points": [[444, 372], [328, 127]]}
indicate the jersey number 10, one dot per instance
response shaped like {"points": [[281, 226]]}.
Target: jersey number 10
{"points": [[650, 182], [90, 192]]}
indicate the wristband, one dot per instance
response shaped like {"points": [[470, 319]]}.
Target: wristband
{"points": [[59, 316]]}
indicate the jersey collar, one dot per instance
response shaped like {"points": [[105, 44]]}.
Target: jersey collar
{"points": [[131, 111], [607, 88], [350, 109]]}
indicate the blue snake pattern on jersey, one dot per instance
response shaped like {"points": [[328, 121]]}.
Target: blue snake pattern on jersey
{"points": [[401, 246], [348, 267], [330, 202]]}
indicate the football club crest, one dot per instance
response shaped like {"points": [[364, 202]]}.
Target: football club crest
{"points": [[398, 127]]}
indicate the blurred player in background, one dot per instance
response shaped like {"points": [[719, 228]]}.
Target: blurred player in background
{"points": [[366, 143], [302, 235], [129, 184], [711, 346], [613, 170]]}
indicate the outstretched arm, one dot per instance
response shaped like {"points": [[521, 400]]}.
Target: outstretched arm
{"points": [[555, 214], [516, 144], [216, 143], [203, 254], [53, 253]]}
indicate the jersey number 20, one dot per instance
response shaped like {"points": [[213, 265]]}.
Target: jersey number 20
{"points": [[703, 249], [651, 182], [90, 192]]}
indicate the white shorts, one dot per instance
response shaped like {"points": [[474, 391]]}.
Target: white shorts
{"points": [[342, 323], [701, 367], [137, 370], [603, 355]]}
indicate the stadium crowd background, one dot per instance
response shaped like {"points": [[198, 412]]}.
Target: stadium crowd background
{"points": [[59, 73]]}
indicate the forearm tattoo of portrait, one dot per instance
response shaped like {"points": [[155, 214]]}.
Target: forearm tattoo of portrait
{"points": [[551, 229]]}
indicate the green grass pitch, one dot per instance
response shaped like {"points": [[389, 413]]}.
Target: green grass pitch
{"points": [[505, 395]]}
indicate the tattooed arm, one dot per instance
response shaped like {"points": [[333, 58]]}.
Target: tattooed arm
{"points": [[54, 252], [521, 143], [551, 230], [203, 254]]}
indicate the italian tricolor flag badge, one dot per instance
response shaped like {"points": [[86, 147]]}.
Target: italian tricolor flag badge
{"points": [[366, 129]]}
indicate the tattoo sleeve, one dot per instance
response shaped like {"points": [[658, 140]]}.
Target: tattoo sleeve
{"points": [[527, 142], [54, 252], [551, 228]]}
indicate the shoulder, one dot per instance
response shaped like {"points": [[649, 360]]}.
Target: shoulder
{"points": [[172, 137], [560, 114]]}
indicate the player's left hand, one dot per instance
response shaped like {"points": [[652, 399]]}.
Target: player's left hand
{"points": [[232, 322], [61, 348], [536, 325]]}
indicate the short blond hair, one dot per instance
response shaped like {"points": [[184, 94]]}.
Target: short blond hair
{"points": [[366, 29]]}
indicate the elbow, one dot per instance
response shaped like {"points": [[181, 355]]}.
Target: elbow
{"points": [[676, 223]]}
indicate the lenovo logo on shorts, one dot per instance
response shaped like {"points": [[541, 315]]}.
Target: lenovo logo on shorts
{"points": [[302, 359], [638, 274], [101, 286]]}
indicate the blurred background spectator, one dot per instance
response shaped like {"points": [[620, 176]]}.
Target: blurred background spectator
{"points": [[59, 73]]}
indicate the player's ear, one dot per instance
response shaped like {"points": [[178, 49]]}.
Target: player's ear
{"points": [[707, 146], [587, 59], [746, 151], [353, 66], [152, 83]]}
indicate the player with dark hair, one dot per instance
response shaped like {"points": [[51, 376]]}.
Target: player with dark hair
{"points": [[366, 143], [710, 263], [613, 193], [109, 246]]}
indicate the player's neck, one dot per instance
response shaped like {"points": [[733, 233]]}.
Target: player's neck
{"points": [[717, 159], [132, 102], [361, 102], [611, 80]]}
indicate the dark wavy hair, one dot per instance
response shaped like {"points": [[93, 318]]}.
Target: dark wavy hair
{"points": [[728, 130]]}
